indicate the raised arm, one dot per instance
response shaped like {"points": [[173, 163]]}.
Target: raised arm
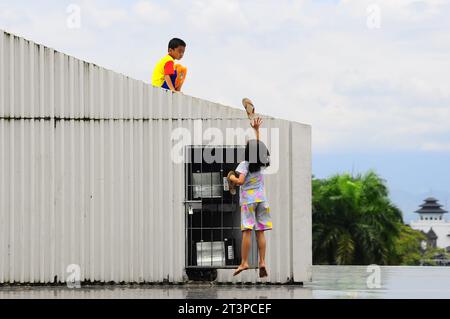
{"points": [[256, 124]]}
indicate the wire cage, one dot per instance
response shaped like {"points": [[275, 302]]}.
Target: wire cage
{"points": [[213, 227]]}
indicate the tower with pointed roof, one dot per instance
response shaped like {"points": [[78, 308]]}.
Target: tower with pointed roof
{"points": [[432, 222], [431, 210]]}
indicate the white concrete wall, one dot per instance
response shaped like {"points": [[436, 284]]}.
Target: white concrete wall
{"points": [[441, 228], [87, 176]]}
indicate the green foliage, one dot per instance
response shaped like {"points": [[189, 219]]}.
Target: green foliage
{"points": [[354, 222], [429, 255], [408, 247]]}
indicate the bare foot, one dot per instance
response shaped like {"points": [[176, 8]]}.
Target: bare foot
{"points": [[262, 270], [240, 269]]}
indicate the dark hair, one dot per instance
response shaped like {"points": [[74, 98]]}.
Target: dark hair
{"points": [[257, 154], [175, 43]]}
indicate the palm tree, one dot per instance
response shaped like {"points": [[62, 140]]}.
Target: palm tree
{"points": [[354, 221]]}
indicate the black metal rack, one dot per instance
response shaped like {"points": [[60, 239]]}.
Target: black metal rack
{"points": [[213, 231]]}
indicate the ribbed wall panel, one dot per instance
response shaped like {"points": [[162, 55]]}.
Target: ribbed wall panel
{"points": [[101, 172], [86, 175], [39, 82]]}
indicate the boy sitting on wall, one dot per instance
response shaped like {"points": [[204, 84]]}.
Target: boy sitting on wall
{"points": [[167, 74]]}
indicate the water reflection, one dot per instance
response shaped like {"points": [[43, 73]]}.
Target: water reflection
{"points": [[328, 282], [396, 282]]}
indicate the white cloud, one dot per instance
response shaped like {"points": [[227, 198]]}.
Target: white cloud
{"points": [[101, 14], [216, 15], [9, 14], [48, 27], [436, 146], [269, 16], [150, 12], [399, 10]]}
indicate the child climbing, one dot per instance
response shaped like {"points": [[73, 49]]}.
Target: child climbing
{"points": [[167, 74], [255, 209]]}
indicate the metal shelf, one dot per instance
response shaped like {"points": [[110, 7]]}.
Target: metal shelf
{"points": [[207, 214]]}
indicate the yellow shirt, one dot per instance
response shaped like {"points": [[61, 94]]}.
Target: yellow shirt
{"points": [[159, 72]]}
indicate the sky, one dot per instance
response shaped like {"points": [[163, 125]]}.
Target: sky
{"points": [[371, 77]]}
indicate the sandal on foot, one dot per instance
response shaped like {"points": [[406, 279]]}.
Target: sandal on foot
{"points": [[249, 108]]}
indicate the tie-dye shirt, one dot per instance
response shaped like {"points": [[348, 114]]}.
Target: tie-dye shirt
{"points": [[252, 191]]}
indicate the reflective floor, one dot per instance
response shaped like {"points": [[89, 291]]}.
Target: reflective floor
{"points": [[328, 282]]}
